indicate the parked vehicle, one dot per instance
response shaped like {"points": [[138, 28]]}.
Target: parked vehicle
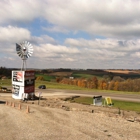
{"points": [[42, 87]]}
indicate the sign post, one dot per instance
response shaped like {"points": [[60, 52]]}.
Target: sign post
{"points": [[39, 97]]}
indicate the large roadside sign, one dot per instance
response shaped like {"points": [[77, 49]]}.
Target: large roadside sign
{"points": [[22, 82]]}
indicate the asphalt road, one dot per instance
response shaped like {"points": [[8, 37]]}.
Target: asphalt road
{"points": [[60, 92], [121, 96]]}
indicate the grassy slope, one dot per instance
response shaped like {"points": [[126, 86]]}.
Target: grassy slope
{"points": [[123, 105]]}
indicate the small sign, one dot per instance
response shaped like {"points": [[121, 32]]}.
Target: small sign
{"points": [[97, 100], [109, 101]]}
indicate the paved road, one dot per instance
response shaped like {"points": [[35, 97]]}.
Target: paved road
{"points": [[56, 92], [121, 96]]}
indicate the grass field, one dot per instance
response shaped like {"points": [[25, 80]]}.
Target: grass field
{"points": [[55, 85], [5, 82], [123, 105], [84, 100], [46, 77], [77, 75]]}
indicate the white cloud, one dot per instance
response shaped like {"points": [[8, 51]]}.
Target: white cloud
{"points": [[43, 39], [136, 54], [116, 18], [13, 34], [19, 11], [49, 50], [107, 18], [56, 29]]}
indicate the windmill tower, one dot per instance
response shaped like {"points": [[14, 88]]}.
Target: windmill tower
{"points": [[23, 81]]}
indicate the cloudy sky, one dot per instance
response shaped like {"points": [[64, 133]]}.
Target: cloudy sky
{"points": [[94, 34]]}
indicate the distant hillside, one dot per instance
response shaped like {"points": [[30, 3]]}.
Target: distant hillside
{"points": [[77, 73]]}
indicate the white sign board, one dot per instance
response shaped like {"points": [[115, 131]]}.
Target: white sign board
{"points": [[17, 91], [23, 82], [18, 78], [97, 100]]}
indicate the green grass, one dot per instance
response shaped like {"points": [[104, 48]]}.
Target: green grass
{"points": [[126, 105], [123, 105], [5, 82], [46, 77], [77, 75], [55, 85]]}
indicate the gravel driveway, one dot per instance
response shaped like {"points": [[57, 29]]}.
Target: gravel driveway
{"points": [[47, 122]]}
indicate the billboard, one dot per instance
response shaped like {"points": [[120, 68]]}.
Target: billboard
{"points": [[23, 82], [18, 78], [17, 91], [29, 78]]}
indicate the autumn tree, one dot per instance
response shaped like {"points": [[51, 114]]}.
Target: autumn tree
{"points": [[40, 78], [111, 85], [95, 82], [116, 85]]}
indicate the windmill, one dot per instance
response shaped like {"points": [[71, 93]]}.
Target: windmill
{"points": [[24, 50], [23, 81]]}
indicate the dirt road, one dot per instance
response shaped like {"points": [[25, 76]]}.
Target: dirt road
{"points": [[56, 119]]}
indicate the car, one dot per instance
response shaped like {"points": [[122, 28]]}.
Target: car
{"points": [[42, 87]]}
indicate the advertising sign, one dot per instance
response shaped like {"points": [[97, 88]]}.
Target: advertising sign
{"points": [[97, 100], [29, 81], [29, 78], [23, 82], [17, 91], [29, 89], [18, 78]]}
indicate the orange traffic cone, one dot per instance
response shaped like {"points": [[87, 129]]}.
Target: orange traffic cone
{"points": [[13, 104], [27, 110], [19, 107]]}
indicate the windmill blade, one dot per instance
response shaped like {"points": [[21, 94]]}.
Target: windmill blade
{"points": [[18, 47], [24, 49]]}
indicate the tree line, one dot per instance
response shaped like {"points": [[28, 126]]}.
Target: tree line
{"points": [[5, 72], [117, 83]]}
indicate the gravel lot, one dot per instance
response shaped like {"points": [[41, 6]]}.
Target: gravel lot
{"points": [[55, 119]]}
